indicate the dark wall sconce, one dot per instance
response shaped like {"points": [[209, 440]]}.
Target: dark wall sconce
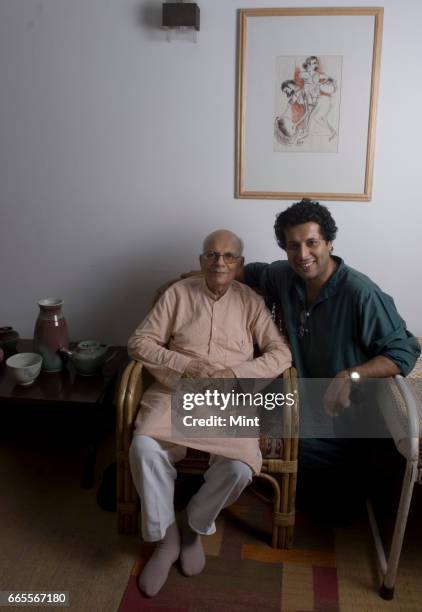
{"points": [[180, 16]]}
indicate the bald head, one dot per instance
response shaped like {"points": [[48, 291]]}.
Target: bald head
{"points": [[227, 236], [221, 259]]}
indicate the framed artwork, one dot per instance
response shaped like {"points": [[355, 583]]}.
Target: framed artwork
{"points": [[307, 98]]}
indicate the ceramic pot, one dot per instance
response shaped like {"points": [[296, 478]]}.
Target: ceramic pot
{"points": [[89, 356], [51, 333], [8, 340]]}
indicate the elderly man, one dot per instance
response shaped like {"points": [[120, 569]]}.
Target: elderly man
{"points": [[202, 327], [340, 325]]}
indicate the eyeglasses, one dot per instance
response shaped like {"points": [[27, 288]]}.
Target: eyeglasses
{"points": [[213, 256], [303, 327]]}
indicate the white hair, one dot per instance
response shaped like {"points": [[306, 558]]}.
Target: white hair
{"points": [[216, 233]]}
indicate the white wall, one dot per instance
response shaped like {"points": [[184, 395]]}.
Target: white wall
{"points": [[117, 157]]}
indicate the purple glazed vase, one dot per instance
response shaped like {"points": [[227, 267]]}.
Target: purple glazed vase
{"points": [[51, 334]]}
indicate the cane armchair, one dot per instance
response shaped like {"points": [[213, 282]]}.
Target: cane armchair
{"points": [[279, 466]]}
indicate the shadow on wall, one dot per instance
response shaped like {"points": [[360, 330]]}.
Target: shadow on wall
{"points": [[148, 17], [114, 311], [149, 13]]}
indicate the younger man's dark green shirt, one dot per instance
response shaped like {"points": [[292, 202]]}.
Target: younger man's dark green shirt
{"points": [[351, 321]]}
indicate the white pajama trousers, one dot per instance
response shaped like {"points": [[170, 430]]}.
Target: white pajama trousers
{"points": [[152, 466]]}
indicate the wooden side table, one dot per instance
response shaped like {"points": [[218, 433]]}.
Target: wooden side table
{"points": [[56, 399]]}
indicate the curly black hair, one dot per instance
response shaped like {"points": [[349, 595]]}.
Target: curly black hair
{"points": [[305, 211]]}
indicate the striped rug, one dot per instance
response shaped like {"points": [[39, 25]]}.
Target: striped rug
{"points": [[244, 573]]}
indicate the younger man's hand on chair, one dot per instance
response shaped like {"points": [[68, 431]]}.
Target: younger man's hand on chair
{"points": [[337, 395]]}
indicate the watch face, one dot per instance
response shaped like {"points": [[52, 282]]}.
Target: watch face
{"points": [[354, 376]]}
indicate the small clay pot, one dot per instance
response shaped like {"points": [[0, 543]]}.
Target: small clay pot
{"points": [[8, 340]]}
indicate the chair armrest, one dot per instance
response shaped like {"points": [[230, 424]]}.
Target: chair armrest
{"points": [[286, 446], [129, 394], [399, 408], [413, 416]]}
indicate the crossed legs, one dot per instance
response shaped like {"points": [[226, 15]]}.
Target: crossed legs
{"points": [[152, 465]]}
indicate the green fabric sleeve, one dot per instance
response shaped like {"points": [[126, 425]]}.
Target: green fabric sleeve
{"points": [[383, 331]]}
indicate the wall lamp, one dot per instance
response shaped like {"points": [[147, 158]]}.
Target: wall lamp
{"points": [[180, 16]]}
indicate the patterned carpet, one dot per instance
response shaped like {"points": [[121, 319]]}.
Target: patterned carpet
{"points": [[328, 569], [244, 573]]}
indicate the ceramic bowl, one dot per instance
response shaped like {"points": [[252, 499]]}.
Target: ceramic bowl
{"points": [[25, 367]]}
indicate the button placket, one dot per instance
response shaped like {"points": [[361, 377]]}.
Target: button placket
{"points": [[212, 330]]}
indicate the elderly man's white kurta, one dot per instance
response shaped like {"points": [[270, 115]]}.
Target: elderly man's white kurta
{"points": [[188, 322]]}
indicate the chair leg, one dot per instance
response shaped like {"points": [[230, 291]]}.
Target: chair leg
{"points": [[389, 568], [127, 499], [283, 522], [127, 519]]}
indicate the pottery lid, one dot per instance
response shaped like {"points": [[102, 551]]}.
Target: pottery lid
{"points": [[50, 302], [88, 345]]}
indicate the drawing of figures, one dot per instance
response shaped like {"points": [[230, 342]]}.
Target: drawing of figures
{"points": [[293, 126], [310, 111], [316, 85]]}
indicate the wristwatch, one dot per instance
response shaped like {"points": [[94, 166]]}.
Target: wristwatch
{"points": [[354, 376]]}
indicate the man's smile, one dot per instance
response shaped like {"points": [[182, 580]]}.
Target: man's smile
{"points": [[306, 266]]}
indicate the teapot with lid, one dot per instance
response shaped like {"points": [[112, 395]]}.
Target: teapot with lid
{"points": [[88, 356]]}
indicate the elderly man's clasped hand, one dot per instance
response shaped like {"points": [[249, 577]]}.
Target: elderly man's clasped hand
{"points": [[199, 368]]}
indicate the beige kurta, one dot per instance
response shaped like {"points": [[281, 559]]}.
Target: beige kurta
{"points": [[188, 322]]}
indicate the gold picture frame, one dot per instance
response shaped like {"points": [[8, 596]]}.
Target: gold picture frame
{"points": [[308, 81]]}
